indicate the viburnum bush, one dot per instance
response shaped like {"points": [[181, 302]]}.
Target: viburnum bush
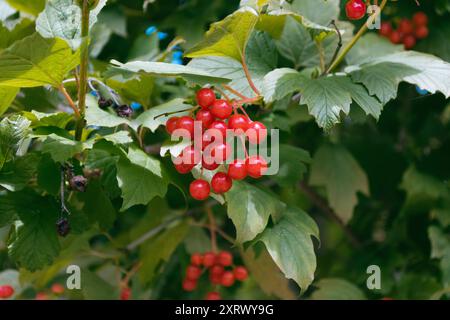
{"points": [[142, 158]]}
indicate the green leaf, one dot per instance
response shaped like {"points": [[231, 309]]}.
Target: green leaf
{"points": [[249, 208], [281, 82], [39, 119], [35, 61], [119, 137], [100, 36], [95, 287], [5, 10], [141, 178], [290, 245], [36, 226], [337, 289], [159, 249], [114, 19], [161, 69], [423, 70], [261, 58], [440, 243], [369, 47], [97, 206], [98, 117], [318, 11], [158, 116], [61, 149], [49, 175], [15, 175], [13, 131], [296, 44], [335, 169], [62, 19], [7, 210], [422, 189], [268, 276], [7, 96], [135, 90], [22, 29], [27, 6], [327, 97], [227, 38], [293, 162]]}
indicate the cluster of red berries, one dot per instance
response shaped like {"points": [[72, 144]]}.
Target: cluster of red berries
{"points": [[215, 117], [56, 289], [6, 292], [218, 275], [408, 31], [355, 9]]}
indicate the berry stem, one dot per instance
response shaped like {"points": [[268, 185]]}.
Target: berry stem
{"points": [[166, 114], [84, 56], [339, 45], [235, 92], [222, 93], [247, 74], [212, 223], [63, 90], [355, 38]]}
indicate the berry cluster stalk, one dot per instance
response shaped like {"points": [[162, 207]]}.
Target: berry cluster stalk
{"points": [[84, 56], [355, 39]]}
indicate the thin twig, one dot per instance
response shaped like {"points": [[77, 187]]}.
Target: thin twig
{"points": [[152, 232], [320, 203], [247, 74], [62, 186], [63, 90], [339, 45], [356, 37], [235, 92]]}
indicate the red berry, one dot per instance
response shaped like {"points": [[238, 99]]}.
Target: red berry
{"points": [[225, 258], [396, 37], [190, 155], [125, 294], [256, 132], [221, 152], [355, 9], [171, 124], [406, 27], [215, 278], [240, 273], [193, 272], [184, 168], [409, 42], [421, 32], [238, 121], [189, 285], [221, 183], [186, 123], [199, 189], [256, 166], [213, 296], [6, 291], [221, 109], [237, 170], [218, 128], [209, 259], [208, 163], [227, 279], [216, 270], [206, 117], [57, 288], [386, 29], [196, 259], [205, 98], [41, 296], [420, 19]]}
